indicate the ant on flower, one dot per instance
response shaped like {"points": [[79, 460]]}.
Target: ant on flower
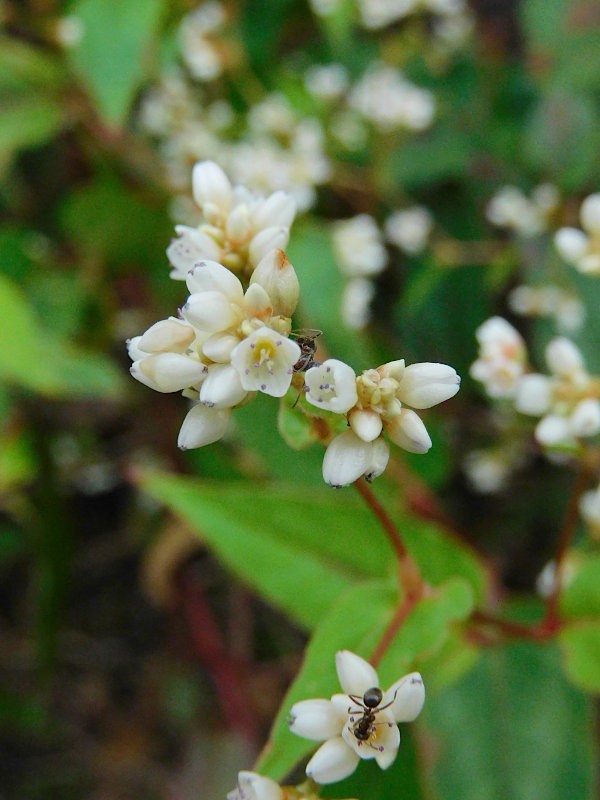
{"points": [[364, 727]]}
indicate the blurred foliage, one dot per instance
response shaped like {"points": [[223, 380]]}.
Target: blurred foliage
{"points": [[155, 604]]}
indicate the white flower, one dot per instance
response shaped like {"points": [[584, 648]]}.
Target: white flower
{"points": [[331, 386], [501, 357], [409, 229], [265, 361], [252, 786], [360, 724], [199, 53], [582, 247], [425, 385], [358, 248], [510, 208]]}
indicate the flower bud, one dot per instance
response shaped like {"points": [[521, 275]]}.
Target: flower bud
{"points": [[168, 372], [590, 213], [222, 387], [252, 786], [346, 459], [366, 424], [378, 460], [563, 357], [425, 385], [238, 226], [534, 393], [277, 276], [408, 431], [202, 426], [210, 312], [275, 238], [585, 418], [168, 335], [279, 209], [210, 185], [571, 244], [210, 276], [552, 430]]}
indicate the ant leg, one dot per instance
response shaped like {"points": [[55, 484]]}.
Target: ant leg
{"points": [[387, 705]]}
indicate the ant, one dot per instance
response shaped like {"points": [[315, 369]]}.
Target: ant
{"points": [[364, 728], [306, 338]]}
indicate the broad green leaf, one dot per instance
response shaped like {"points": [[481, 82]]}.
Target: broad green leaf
{"points": [[355, 622], [581, 596], [35, 359], [27, 121], [112, 56], [299, 550], [580, 642], [512, 729], [426, 629]]}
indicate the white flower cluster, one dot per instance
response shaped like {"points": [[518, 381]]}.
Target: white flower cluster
{"points": [[198, 48], [526, 216], [237, 228], [377, 401], [567, 400], [359, 724], [227, 344], [385, 97], [548, 300], [581, 248]]}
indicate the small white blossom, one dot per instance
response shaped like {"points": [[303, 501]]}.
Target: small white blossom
{"points": [[501, 359], [327, 82], [200, 54], [252, 786], [511, 208], [265, 361], [358, 246], [581, 248], [331, 386], [589, 508], [360, 724], [548, 301], [409, 229]]}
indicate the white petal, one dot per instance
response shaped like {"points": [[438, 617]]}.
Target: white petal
{"points": [[211, 185], [425, 385], [346, 459], [252, 786], [366, 424], [332, 762], [210, 311], [167, 335], [408, 431], [355, 674], [222, 387], [219, 346], [563, 356], [533, 396], [332, 386], [571, 243], [190, 246], [202, 426], [134, 350], [275, 238], [585, 418], [590, 213], [384, 738], [279, 209], [316, 719], [407, 696], [257, 302], [168, 372], [210, 276], [378, 460], [553, 430]]}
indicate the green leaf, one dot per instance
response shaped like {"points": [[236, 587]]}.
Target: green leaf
{"points": [[298, 549], [512, 729], [581, 596], [355, 622], [111, 56], [580, 642], [294, 425], [27, 121], [23, 66], [35, 359]]}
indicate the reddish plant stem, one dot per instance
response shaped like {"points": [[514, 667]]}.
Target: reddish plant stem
{"points": [[384, 518], [392, 629]]}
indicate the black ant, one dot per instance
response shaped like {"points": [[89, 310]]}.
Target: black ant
{"points": [[306, 339], [364, 727]]}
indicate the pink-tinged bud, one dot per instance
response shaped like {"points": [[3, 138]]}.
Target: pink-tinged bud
{"points": [[408, 431], [210, 185], [366, 424], [202, 426], [277, 276], [167, 336], [168, 372], [425, 385]]}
